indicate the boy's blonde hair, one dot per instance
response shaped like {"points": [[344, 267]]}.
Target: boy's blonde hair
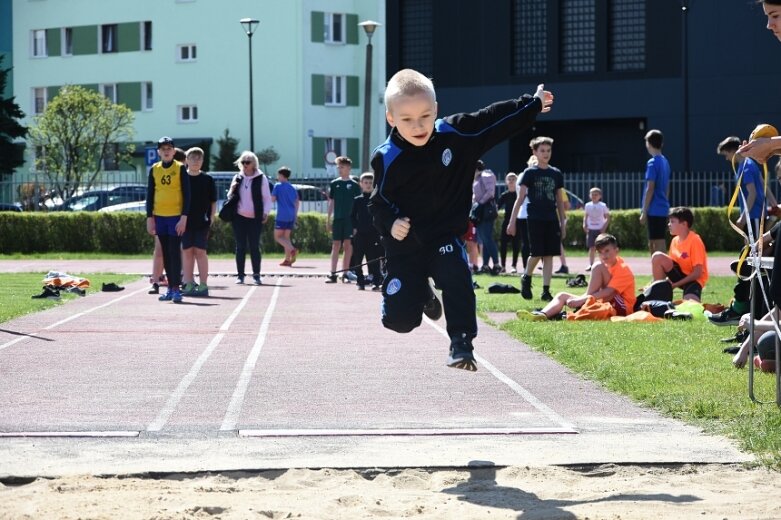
{"points": [[510, 175], [367, 175], [408, 82], [595, 190], [194, 151]]}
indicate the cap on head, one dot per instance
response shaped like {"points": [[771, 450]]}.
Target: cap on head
{"points": [[165, 140]]}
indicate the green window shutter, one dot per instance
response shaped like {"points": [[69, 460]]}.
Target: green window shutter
{"points": [[353, 152], [318, 152], [129, 94], [352, 28], [51, 93], [318, 27], [318, 89], [53, 42], [128, 37], [352, 91], [85, 40], [91, 86]]}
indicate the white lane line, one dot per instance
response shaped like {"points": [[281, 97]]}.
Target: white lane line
{"points": [[120, 433], [515, 387], [237, 401], [184, 384], [401, 432], [71, 318]]}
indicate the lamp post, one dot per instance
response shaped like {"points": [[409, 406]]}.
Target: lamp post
{"points": [[249, 25], [685, 71], [368, 26]]}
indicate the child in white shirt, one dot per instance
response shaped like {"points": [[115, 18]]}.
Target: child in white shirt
{"points": [[596, 217]]}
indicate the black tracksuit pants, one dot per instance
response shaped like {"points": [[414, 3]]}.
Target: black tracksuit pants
{"points": [[368, 245], [405, 290]]}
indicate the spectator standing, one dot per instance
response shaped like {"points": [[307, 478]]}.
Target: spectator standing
{"points": [[506, 203], [596, 218], [484, 193], [341, 196], [252, 188], [203, 207], [656, 203], [366, 240]]}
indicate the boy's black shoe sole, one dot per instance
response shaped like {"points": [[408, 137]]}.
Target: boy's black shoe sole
{"points": [[526, 288], [740, 336], [433, 307]]}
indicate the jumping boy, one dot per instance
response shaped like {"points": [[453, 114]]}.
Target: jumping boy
{"points": [[656, 203], [546, 214], [422, 197], [686, 265], [167, 207], [611, 281], [341, 194], [203, 206], [286, 198]]}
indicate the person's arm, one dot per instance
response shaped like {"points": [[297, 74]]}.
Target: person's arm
{"points": [[585, 218], [387, 217], [185, 182], [150, 203], [607, 220], [265, 193], [649, 194], [516, 209], [562, 212], [761, 149]]}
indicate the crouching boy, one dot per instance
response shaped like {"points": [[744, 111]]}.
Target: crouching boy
{"points": [[611, 281]]}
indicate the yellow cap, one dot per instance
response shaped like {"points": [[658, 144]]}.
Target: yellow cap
{"points": [[764, 130]]}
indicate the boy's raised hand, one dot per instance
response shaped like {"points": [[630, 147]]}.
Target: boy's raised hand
{"points": [[545, 96], [400, 228]]}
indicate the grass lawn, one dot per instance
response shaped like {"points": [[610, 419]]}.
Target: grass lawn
{"points": [[675, 367]]}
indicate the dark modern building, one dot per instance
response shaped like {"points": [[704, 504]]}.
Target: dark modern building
{"points": [[616, 67]]}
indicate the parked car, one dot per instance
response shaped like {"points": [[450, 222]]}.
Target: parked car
{"points": [[138, 206], [94, 200], [10, 206]]}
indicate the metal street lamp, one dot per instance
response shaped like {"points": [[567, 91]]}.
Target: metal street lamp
{"points": [[685, 74], [368, 26], [249, 25]]}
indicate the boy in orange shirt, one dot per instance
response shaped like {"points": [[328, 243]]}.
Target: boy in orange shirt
{"points": [[611, 281], [686, 265]]}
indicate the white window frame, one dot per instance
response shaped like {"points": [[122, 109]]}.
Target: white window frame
{"points": [[192, 52], [147, 96], [43, 97], [337, 144], [112, 88], [328, 28], [143, 35], [38, 43], [64, 32], [191, 113], [336, 96], [113, 43]]}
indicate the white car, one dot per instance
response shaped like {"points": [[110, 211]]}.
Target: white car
{"points": [[138, 206]]}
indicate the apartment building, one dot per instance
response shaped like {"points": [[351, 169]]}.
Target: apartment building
{"points": [[183, 67]]}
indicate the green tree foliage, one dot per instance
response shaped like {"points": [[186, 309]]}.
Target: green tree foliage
{"points": [[11, 156], [267, 156], [77, 131], [226, 154]]}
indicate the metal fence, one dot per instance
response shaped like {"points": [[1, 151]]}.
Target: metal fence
{"points": [[619, 190]]}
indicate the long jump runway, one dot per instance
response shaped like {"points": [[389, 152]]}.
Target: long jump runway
{"points": [[296, 373]]}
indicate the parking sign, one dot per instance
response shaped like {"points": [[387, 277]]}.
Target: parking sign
{"points": [[150, 154]]}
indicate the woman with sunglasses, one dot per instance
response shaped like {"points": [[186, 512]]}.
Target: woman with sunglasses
{"points": [[251, 186]]}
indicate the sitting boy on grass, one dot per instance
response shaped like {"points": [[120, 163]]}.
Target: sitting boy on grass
{"points": [[686, 265], [611, 281]]}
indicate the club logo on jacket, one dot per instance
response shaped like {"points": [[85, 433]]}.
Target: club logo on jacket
{"points": [[447, 156], [394, 286]]}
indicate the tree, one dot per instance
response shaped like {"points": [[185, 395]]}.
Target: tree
{"points": [[11, 156], [226, 155], [79, 129], [267, 156]]}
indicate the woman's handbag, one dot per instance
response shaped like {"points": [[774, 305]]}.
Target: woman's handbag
{"points": [[228, 210]]}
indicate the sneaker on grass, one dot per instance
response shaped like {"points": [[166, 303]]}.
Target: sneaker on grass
{"points": [[47, 293], [725, 317], [531, 315], [526, 287]]}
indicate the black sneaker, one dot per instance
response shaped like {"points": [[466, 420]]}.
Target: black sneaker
{"points": [[47, 293], [461, 355], [112, 287], [739, 337], [433, 307], [155, 289], [546, 296], [361, 287], [562, 270], [725, 317], [330, 278], [526, 287], [732, 350]]}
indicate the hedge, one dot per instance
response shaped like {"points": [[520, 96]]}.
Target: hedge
{"points": [[126, 232]]}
